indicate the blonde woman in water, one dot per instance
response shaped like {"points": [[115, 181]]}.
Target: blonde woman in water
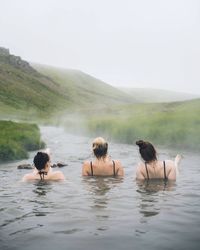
{"points": [[151, 167], [102, 165]]}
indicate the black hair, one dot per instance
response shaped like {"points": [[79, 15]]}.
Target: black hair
{"points": [[147, 151], [40, 161]]}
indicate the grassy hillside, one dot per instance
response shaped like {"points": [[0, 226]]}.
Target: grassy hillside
{"points": [[147, 95], [170, 124], [30, 93], [79, 100], [25, 91], [84, 90], [16, 139]]}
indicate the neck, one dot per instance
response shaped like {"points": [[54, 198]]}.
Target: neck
{"points": [[103, 158]]}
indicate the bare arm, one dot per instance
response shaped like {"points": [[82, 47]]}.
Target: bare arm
{"points": [[177, 162], [85, 169], [25, 178], [139, 174], [120, 170], [28, 177], [172, 174], [172, 171], [58, 175]]}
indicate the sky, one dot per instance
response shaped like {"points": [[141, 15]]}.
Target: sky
{"points": [[126, 43]]}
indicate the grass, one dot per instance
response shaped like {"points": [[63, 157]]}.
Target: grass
{"points": [[80, 102], [172, 125], [28, 94], [16, 139], [83, 90]]}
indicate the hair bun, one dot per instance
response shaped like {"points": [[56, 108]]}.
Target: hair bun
{"points": [[141, 144], [98, 142]]}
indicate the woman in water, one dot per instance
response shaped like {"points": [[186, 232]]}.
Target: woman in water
{"points": [[43, 169], [102, 164], [151, 167]]}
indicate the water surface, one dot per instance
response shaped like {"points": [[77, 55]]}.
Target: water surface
{"points": [[99, 213]]}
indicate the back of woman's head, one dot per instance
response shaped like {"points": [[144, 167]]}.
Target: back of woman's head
{"points": [[40, 160], [147, 151], [100, 147]]}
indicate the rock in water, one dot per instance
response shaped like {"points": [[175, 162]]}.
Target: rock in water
{"points": [[25, 166]]}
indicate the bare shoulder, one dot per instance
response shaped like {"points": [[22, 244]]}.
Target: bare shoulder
{"points": [[29, 177], [120, 169], [86, 163], [57, 175], [140, 166], [171, 169], [170, 164], [118, 163], [140, 171], [85, 167]]}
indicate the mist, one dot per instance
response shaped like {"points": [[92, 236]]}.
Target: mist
{"points": [[129, 43]]}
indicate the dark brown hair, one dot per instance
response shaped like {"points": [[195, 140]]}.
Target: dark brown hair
{"points": [[147, 151]]}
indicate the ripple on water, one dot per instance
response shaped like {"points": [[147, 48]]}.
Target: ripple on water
{"points": [[100, 213]]}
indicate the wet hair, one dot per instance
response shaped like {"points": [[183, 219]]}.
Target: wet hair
{"points": [[100, 147], [147, 151], [40, 161]]}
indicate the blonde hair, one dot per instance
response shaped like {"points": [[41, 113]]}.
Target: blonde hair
{"points": [[100, 147]]}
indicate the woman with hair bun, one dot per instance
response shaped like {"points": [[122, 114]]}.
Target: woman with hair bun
{"points": [[43, 169], [102, 165], [151, 167]]}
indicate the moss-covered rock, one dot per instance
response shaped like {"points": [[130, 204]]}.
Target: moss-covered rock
{"points": [[16, 139]]}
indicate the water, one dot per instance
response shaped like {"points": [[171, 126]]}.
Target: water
{"points": [[98, 213]]}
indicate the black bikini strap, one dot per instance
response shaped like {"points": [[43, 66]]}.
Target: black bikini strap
{"points": [[165, 176], [91, 168], [147, 170], [114, 173]]}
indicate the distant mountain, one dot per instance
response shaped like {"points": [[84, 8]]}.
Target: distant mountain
{"points": [[147, 95]]}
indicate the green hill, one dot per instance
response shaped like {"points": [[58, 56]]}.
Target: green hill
{"points": [[147, 95], [25, 91], [43, 92], [83, 89]]}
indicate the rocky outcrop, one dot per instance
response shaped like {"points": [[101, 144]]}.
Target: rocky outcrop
{"points": [[16, 61]]}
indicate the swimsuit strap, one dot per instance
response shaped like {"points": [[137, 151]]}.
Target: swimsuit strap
{"points": [[147, 170], [114, 173], [165, 176], [91, 168]]}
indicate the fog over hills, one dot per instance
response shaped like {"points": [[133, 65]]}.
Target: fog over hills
{"points": [[149, 95]]}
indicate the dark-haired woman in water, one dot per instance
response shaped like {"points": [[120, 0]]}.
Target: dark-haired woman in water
{"points": [[151, 167], [43, 169], [102, 164]]}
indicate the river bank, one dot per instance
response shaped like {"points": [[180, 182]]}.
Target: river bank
{"points": [[16, 139]]}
